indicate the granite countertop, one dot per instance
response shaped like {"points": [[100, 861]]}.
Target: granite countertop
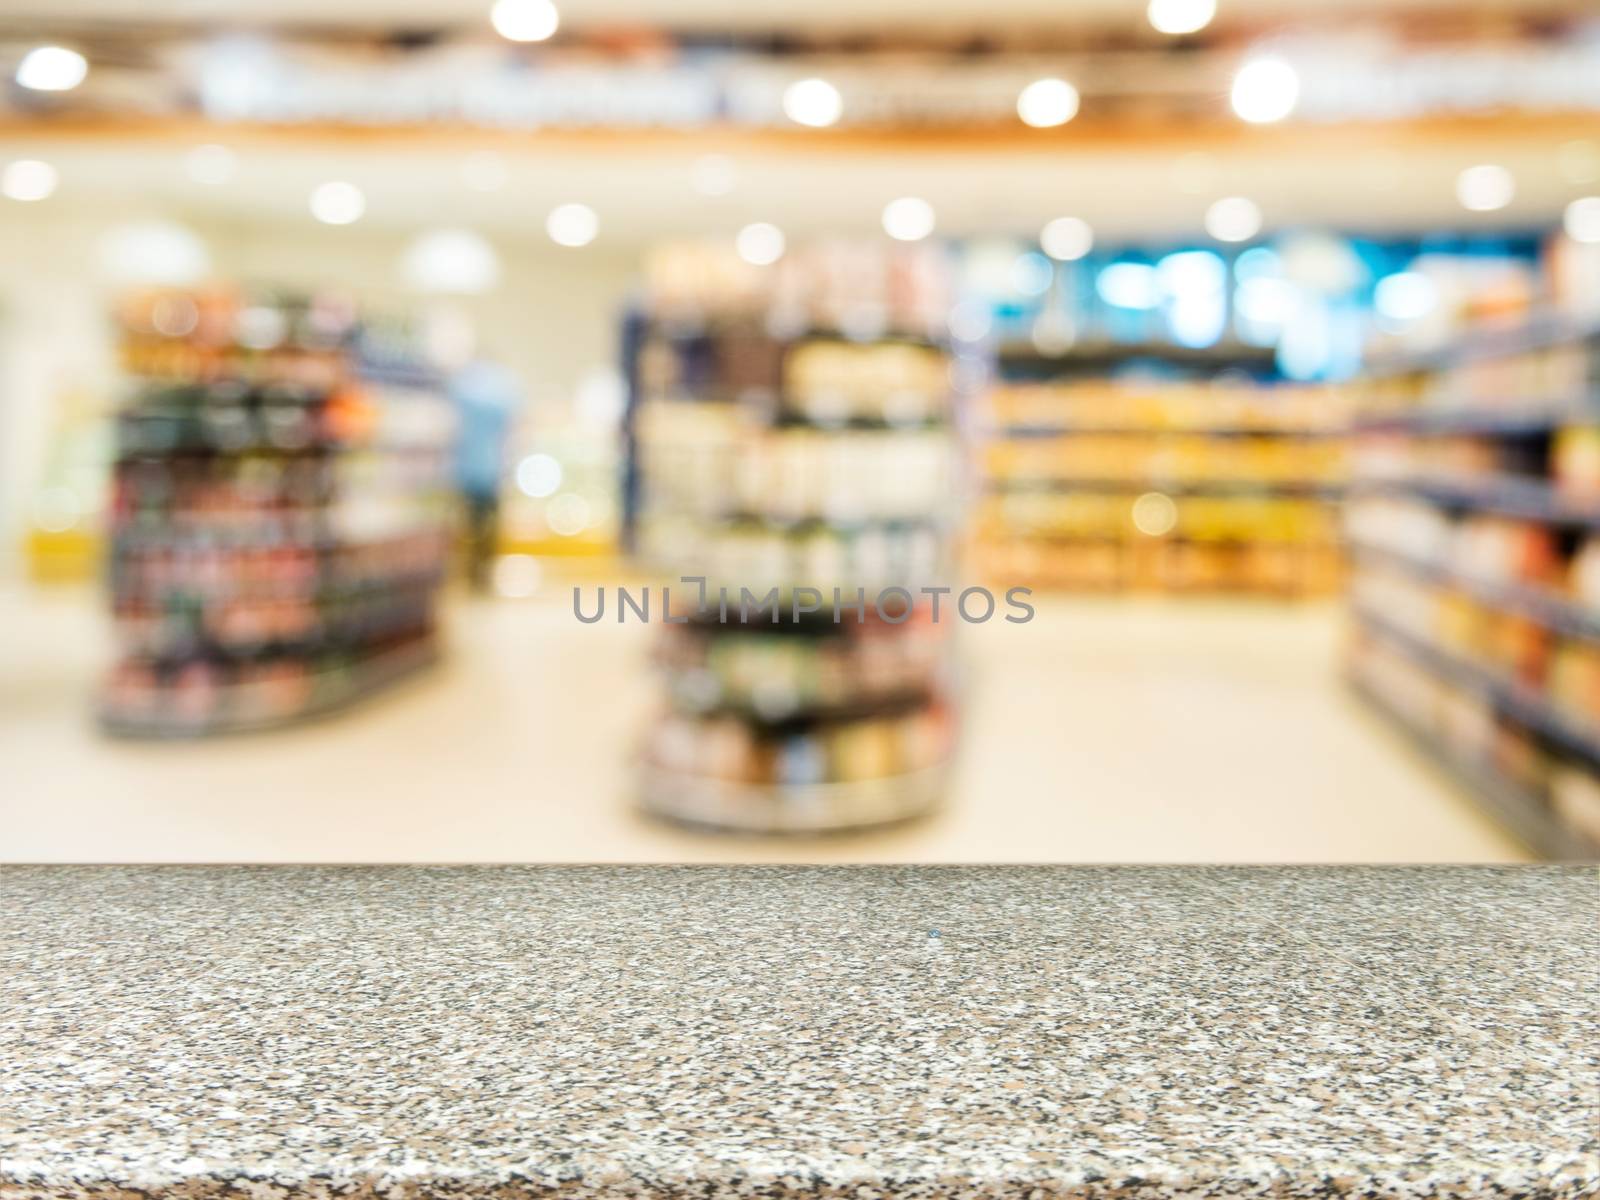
{"points": [[870, 1032]]}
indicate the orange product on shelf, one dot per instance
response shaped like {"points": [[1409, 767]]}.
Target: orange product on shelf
{"points": [[350, 416], [1521, 647]]}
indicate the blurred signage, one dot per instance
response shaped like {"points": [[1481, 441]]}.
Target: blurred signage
{"points": [[1355, 78], [1397, 81]]}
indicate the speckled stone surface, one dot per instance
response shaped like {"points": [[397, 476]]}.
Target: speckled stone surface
{"points": [[865, 1032]]}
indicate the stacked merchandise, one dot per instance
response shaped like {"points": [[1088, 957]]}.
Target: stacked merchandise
{"points": [[791, 434], [278, 516], [1475, 533], [1223, 484]]}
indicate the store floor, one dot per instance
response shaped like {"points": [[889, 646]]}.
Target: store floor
{"points": [[1101, 731]]}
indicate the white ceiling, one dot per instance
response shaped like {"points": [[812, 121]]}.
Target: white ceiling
{"points": [[643, 188]]}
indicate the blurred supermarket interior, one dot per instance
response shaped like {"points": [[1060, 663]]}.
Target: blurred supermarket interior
{"points": [[340, 342]]}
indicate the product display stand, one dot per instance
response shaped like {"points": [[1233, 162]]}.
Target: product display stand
{"points": [[776, 462], [278, 524], [1159, 484], [1475, 535]]}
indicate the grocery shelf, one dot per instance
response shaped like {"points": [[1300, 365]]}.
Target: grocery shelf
{"points": [[1509, 495], [1524, 420], [778, 411], [398, 375], [1175, 537], [1101, 352], [806, 713], [1492, 434], [788, 418], [277, 526], [1514, 700], [1488, 342], [781, 523], [1025, 430], [766, 454], [1553, 611], [689, 326], [1521, 812], [1071, 444], [824, 621], [731, 806], [378, 673], [1174, 487]]}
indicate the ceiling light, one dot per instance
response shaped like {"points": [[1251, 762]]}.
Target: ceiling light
{"points": [[1128, 285], [1265, 300], [1233, 219], [1258, 262], [813, 102], [210, 164], [1485, 187], [52, 69], [538, 476], [1067, 238], [760, 244], [524, 20], [1181, 16], [1265, 90], [572, 225], [1045, 103], [1582, 219], [28, 179], [1189, 274], [1405, 296], [908, 219], [337, 203]]}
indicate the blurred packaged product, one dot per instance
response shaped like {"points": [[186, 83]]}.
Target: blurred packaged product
{"points": [[279, 511], [860, 287]]}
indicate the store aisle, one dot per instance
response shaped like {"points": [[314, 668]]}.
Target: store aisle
{"points": [[1101, 731]]}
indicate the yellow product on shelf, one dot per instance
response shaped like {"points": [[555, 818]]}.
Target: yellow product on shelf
{"points": [[68, 556], [1462, 624]]}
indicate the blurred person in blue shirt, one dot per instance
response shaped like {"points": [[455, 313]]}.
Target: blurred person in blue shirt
{"points": [[487, 398]]}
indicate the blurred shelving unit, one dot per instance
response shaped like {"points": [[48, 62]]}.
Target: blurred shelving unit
{"points": [[1474, 527], [279, 514], [780, 442], [1195, 476]]}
